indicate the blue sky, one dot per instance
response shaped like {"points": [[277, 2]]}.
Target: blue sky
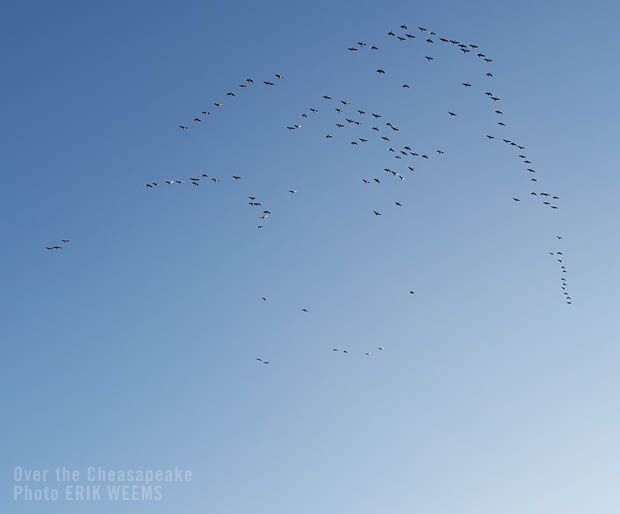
{"points": [[134, 347]]}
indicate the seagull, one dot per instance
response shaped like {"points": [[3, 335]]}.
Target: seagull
{"points": [[428, 58], [368, 353], [230, 94], [516, 199], [451, 113], [380, 71], [292, 191], [327, 97], [183, 127], [490, 137], [237, 177], [377, 213], [379, 347], [399, 204], [376, 115], [278, 75], [466, 84], [267, 83], [259, 227]]}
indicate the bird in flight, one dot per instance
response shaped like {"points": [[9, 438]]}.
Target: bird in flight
{"points": [[376, 213], [292, 191]]}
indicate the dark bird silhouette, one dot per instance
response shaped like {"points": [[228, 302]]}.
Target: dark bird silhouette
{"points": [[376, 213]]}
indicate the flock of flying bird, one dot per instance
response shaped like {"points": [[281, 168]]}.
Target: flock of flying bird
{"points": [[385, 133]]}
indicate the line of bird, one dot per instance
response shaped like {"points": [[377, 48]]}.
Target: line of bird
{"points": [[559, 255], [245, 84]]}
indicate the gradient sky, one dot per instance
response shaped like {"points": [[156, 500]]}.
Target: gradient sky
{"points": [[134, 347]]}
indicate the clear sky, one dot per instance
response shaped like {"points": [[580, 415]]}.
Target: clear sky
{"points": [[134, 346]]}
